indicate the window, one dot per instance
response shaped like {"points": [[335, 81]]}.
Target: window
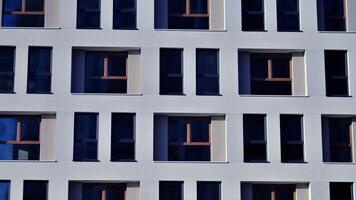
{"points": [[23, 13], [271, 74], [207, 78], [288, 15], [341, 190], [189, 139], [39, 70], [105, 72], [171, 71], [124, 14], [122, 137], [4, 190], [336, 73], [292, 138], [35, 190], [171, 190], [103, 191], [85, 137], [208, 190], [88, 14], [255, 144], [20, 137], [337, 139], [273, 192], [331, 15], [7, 60], [252, 15]]}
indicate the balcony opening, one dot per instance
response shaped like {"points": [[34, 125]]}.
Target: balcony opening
{"points": [[253, 15], [84, 190], [124, 14], [288, 15], [39, 70], [7, 71], [30, 13], [272, 73], [27, 137], [189, 14], [207, 72], [338, 144], [88, 14], [255, 140], [171, 190], [189, 138], [112, 71], [35, 190], [123, 137], [341, 190], [336, 72], [292, 144], [274, 191], [208, 190], [171, 71]]}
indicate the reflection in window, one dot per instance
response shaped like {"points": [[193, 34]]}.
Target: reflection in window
{"points": [[23, 13]]}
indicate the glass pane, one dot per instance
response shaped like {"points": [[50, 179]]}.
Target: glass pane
{"points": [[208, 190], [197, 153], [85, 126], [94, 65], [177, 130], [288, 22], [207, 62], [117, 65], [7, 152], [89, 4], [339, 130], [271, 87], [259, 66], [7, 59], [91, 191], [124, 14], [122, 151], [171, 85], [39, 84], [30, 128], [200, 130], [292, 153], [39, 60], [176, 7], [335, 63], [90, 20], [26, 152], [334, 8], [35, 5], [85, 151], [4, 190], [35, 190], [291, 128], [280, 67], [252, 21], [12, 5], [171, 62], [208, 86], [6, 83], [8, 129], [199, 6], [255, 152], [170, 190], [261, 192], [285, 192], [122, 127], [254, 127], [115, 192], [105, 86], [252, 5], [339, 190], [9, 20]]}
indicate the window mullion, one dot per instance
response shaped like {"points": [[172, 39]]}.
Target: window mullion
{"points": [[189, 133], [19, 130], [270, 68], [106, 67], [23, 8]]}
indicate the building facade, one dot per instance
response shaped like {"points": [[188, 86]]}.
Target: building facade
{"points": [[167, 99]]}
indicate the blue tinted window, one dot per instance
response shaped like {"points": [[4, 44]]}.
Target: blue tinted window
{"points": [[30, 128], [207, 65], [171, 190], [26, 18], [35, 190], [171, 71], [124, 14], [254, 138], [85, 136], [39, 70], [208, 190], [252, 15], [288, 15], [4, 190], [122, 137], [35, 5], [8, 129], [88, 14], [7, 60]]}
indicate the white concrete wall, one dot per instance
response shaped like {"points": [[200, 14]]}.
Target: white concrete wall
{"points": [[148, 172]]}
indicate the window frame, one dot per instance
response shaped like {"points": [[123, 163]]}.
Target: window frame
{"points": [[206, 75], [87, 10], [24, 12], [335, 145], [281, 13], [245, 12], [115, 11]]}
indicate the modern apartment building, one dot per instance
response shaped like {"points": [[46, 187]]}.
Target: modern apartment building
{"points": [[177, 100]]}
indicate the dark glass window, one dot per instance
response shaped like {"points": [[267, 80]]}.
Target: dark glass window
{"points": [[255, 144], [39, 70], [103, 191], [331, 15], [7, 60], [88, 14], [124, 14], [4, 190], [35, 190], [122, 137], [190, 14], [171, 190], [339, 137], [188, 139], [288, 15], [207, 66], [23, 13], [105, 72], [292, 138], [19, 137], [85, 137], [171, 71], [208, 190], [271, 74], [341, 191], [336, 73], [252, 15], [273, 192]]}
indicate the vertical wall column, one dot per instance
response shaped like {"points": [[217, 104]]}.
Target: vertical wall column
{"points": [[314, 60], [273, 138], [189, 71], [20, 68], [106, 15], [104, 136], [150, 70]]}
